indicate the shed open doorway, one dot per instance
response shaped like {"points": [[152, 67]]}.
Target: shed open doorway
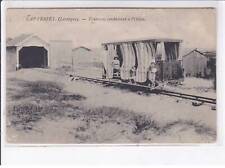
{"points": [[33, 57]]}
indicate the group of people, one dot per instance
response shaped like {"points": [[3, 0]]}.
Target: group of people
{"points": [[151, 73]]}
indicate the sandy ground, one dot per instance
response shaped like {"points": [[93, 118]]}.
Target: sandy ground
{"points": [[196, 86], [84, 112]]}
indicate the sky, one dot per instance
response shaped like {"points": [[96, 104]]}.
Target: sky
{"points": [[196, 27]]}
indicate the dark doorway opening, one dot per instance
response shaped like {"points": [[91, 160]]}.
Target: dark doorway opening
{"points": [[33, 57]]}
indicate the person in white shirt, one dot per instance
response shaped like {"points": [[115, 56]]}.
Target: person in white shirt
{"points": [[152, 74], [116, 66], [132, 74]]}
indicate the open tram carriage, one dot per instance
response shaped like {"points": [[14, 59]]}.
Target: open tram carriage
{"points": [[147, 62]]}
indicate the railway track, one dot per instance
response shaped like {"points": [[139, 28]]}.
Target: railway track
{"points": [[147, 89]]}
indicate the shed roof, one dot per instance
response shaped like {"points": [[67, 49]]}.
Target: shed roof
{"points": [[206, 54], [144, 40], [81, 47], [60, 41], [18, 40], [195, 50], [15, 41], [210, 53]]}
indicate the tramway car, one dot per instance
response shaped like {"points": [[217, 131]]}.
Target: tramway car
{"points": [[145, 61]]}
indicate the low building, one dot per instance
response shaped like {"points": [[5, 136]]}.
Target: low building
{"points": [[82, 55], [30, 51], [199, 64], [61, 53], [27, 51], [87, 62]]}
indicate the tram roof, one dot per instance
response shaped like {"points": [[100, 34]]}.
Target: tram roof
{"points": [[144, 40]]}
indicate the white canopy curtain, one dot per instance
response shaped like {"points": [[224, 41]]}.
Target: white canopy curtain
{"points": [[145, 56], [160, 51], [111, 54], [104, 56], [171, 50], [128, 55]]}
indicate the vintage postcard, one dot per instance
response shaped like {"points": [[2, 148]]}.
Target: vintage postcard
{"points": [[110, 75]]}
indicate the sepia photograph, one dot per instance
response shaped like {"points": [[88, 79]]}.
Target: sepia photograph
{"points": [[111, 76]]}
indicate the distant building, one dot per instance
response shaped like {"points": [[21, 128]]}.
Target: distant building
{"points": [[87, 62], [83, 56], [61, 52], [199, 64], [27, 51]]}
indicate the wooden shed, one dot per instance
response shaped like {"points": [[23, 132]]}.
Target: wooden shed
{"points": [[61, 53], [83, 56], [87, 61], [199, 64], [27, 51]]}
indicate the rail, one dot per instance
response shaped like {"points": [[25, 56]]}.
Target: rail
{"points": [[149, 89]]}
